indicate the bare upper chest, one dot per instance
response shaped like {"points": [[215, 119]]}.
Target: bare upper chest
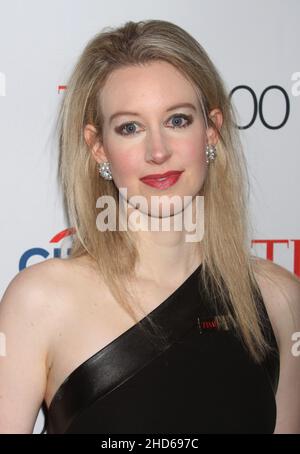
{"points": [[91, 318]]}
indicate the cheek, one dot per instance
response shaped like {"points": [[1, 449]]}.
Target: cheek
{"points": [[194, 152], [125, 167]]}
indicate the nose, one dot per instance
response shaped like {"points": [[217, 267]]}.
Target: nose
{"points": [[156, 150]]}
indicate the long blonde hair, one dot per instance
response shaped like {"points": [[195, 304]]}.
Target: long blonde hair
{"points": [[226, 254]]}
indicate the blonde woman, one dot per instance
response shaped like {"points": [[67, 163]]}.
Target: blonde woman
{"points": [[146, 330]]}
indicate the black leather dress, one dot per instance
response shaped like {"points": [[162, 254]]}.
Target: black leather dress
{"points": [[200, 379]]}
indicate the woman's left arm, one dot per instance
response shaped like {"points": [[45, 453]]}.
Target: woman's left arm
{"points": [[281, 296]]}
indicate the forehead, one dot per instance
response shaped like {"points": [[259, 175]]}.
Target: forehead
{"points": [[153, 84]]}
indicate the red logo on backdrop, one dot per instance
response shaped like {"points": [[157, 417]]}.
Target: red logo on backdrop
{"points": [[63, 234], [270, 251]]}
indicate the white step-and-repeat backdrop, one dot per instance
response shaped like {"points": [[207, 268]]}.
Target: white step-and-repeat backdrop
{"points": [[255, 46]]}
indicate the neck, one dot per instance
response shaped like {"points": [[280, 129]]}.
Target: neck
{"points": [[166, 253]]}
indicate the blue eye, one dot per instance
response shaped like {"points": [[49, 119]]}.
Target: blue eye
{"points": [[129, 129], [180, 117]]}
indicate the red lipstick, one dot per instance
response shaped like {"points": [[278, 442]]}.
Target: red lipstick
{"points": [[162, 180]]}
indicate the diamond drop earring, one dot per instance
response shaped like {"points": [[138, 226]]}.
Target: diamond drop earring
{"points": [[105, 171], [211, 153]]}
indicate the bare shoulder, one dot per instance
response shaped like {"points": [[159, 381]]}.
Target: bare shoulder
{"points": [[280, 290], [41, 292], [275, 278], [39, 279], [31, 291], [33, 305], [30, 286]]}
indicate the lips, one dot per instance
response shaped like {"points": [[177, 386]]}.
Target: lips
{"points": [[162, 181], [162, 175]]}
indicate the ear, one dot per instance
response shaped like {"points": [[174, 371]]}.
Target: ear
{"points": [[213, 133], [94, 143]]}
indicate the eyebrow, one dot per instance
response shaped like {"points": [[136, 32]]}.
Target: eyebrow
{"points": [[176, 106]]}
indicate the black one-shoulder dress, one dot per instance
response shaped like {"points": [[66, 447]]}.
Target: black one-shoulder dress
{"points": [[199, 379]]}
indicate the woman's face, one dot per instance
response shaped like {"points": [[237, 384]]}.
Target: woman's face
{"points": [[152, 136]]}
